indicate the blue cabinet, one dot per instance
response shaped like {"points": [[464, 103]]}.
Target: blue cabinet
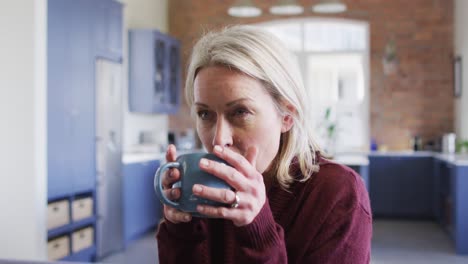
{"points": [[401, 186], [70, 98], [142, 209], [450, 202], [107, 29], [72, 47], [155, 72]]}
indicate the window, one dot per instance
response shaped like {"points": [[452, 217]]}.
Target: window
{"points": [[333, 56]]}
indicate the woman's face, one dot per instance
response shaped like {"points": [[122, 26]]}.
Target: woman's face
{"points": [[234, 110]]}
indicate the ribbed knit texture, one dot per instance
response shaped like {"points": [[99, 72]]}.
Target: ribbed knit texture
{"points": [[323, 220]]}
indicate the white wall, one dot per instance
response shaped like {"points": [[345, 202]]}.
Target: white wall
{"points": [[23, 129], [148, 14], [461, 48]]}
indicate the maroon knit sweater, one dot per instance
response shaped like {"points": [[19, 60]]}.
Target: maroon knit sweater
{"points": [[326, 219]]}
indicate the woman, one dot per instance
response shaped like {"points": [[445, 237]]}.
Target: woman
{"points": [[290, 205]]}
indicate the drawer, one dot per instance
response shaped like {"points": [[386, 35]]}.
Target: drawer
{"points": [[82, 239], [58, 214], [82, 208], [58, 248]]}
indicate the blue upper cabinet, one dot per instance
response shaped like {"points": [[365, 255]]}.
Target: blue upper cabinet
{"points": [[155, 72], [108, 29]]}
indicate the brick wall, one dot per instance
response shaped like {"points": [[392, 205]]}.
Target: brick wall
{"points": [[416, 100]]}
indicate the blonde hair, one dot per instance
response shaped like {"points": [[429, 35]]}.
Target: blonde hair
{"points": [[262, 56]]}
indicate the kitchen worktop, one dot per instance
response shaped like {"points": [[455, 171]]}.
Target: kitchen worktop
{"points": [[350, 159], [134, 157]]}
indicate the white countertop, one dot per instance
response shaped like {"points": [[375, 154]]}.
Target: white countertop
{"points": [[350, 159], [456, 159], [134, 157]]}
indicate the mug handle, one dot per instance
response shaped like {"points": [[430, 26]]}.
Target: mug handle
{"points": [[158, 183]]}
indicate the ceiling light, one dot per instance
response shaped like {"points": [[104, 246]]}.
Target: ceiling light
{"points": [[286, 7], [329, 7], [244, 8]]}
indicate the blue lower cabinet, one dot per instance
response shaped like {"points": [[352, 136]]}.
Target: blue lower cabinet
{"points": [[401, 186], [142, 209], [459, 208]]}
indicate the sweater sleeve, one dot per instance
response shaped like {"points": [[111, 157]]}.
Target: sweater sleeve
{"points": [[261, 241], [345, 239], [345, 233], [183, 242]]}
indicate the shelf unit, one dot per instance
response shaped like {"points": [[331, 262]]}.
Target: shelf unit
{"points": [[89, 253]]}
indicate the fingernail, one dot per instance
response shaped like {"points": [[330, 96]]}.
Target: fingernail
{"points": [[172, 192], [204, 162], [200, 208], [197, 188], [170, 174], [218, 148]]}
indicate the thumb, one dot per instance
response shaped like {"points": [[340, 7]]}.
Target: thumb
{"points": [[251, 156]]}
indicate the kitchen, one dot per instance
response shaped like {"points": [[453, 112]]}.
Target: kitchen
{"points": [[414, 98]]}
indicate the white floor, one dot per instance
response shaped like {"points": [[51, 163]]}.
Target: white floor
{"points": [[393, 242]]}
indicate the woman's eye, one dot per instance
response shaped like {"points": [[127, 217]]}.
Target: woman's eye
{"points": [[203, 115], [241, 112]]}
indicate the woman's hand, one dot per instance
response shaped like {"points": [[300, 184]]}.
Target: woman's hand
{"points": [[170, 176], [243, 177]]}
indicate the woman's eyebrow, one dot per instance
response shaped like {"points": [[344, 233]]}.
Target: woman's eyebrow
{"points": [[201, 105], [238, 101]]}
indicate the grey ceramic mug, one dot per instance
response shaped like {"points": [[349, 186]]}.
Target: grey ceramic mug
{"points": [[190, 174]]}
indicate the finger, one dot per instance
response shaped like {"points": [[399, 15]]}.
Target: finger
{"points": [[236, 160], [172, 194], [171, 153], [175, 216], [251, 156], [227, 173], [217, 211], [170, 176], [214, 194]]}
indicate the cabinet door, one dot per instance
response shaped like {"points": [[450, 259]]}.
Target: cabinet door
{"points": [[173, 73], [115, 28], [160, 78], [142, 209], [59, 123], [143, 75], [382, 186], [107, 17], [401, 186], [154, 72], [414, 182], [81, 89]]}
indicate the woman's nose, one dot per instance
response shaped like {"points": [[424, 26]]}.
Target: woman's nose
{"points": [[223, 133]]}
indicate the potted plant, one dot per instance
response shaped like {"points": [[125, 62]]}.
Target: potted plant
{"points": [[462, 147], [328, 129], [390, 59]]}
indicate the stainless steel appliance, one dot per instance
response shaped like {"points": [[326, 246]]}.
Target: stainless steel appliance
{"points": [[449, 143], [109, 157]]}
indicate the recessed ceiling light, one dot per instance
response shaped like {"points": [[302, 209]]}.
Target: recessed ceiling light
{"points": [[244, 8], [329, 7], [286, 7]]}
